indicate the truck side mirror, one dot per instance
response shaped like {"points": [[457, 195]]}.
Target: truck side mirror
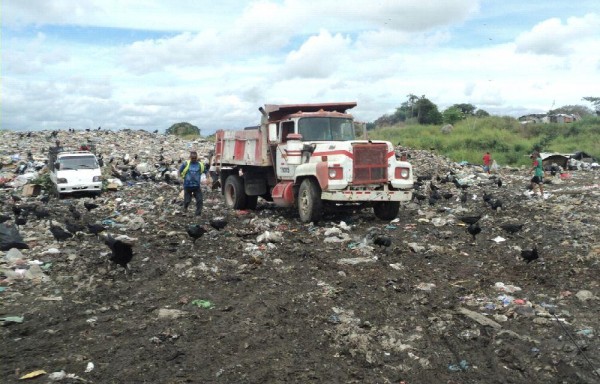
{"points": [[57, 165], [272, 131]]}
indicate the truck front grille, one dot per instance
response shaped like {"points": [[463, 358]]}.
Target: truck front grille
{"points": [[370, 163]]}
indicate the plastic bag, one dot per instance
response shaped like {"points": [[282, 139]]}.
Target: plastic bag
{"points": [[11, 238], [494, 167]]}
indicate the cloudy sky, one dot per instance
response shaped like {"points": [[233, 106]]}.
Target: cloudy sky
{"points": [[147, 64]]}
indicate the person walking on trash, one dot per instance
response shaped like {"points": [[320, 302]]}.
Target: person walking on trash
{"points": [[538, 173], [487, 162], [191, 171]]}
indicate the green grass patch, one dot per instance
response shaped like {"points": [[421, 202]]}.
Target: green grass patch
{"points": [[508, 141]]}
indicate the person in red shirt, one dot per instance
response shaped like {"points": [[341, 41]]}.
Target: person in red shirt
{"points": [[487, 162]]}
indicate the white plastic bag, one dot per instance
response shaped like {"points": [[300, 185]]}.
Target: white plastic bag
{"points": [[494, 167]]}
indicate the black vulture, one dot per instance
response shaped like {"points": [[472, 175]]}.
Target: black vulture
{"points": [[121, 252], [474, 229], [90, 206], [218, 223], [530, 254], [195, 231], [59, 233]]}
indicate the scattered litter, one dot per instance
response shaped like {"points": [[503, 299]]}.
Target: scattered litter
{"points": [[167, 313], [425, 286], [461, 366], [270, 237], [203, 304], [33, 374], [506, 288], [506, 300], [416, 247], [585, 295], [11, 319], [585, 332], [498, 239], [357, 260]]}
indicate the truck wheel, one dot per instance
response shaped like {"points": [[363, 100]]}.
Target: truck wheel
{"points": [[310, 205], [234, 192], [386, 210]]}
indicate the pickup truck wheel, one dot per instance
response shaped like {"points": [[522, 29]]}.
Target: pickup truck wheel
{"points": [[234, 192], [386, 210], [310, 205]]}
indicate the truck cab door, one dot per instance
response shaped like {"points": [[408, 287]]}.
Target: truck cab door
{"points": [[284, 170]]}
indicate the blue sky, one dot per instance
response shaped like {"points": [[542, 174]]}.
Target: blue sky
{"points": [[147, 64]]}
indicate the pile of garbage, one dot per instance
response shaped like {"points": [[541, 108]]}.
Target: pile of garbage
{"points": [[125, 155], [258, 296]]}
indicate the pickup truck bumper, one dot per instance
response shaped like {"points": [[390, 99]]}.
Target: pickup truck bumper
{"points": [[366, 195], [92, 187]]}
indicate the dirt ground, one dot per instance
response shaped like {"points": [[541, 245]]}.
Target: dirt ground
{"points": [[319, 303]]}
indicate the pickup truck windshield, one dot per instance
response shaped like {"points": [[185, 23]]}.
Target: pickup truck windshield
{"points": [[78, 162], [326, 129]]}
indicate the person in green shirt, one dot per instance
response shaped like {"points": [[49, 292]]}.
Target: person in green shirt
{"points": [[538, 173]]}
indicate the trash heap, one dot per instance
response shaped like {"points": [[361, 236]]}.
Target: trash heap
{"points": [[261, 297]]}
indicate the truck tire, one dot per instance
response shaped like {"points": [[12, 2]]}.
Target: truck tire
{"points": [[310, 205], [386, 210], [233, 192]]}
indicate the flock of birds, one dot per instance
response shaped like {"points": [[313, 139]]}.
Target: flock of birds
{"points": [[122, 253], [121, 248], [426, 189]]}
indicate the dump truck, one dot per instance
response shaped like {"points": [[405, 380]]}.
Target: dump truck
{"points": [[308, 156]]}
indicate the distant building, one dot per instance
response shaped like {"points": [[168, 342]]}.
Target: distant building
{"points": [[542, 118], [534, 118], [562, 118]]}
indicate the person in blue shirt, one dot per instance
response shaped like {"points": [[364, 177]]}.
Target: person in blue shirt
{"points": [[191, 171]]}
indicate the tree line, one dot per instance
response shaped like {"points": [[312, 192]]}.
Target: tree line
{"points": [[421, 110]]}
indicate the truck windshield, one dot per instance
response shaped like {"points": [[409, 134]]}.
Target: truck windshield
{"points": [[78, 162], [326, 129]]}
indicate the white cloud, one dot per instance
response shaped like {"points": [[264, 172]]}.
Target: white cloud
{"points": [[31, 56], [414, 15], [152, 15], [219, 61], [272, 16], [318, 57], [50, 12], [552, 37], [184, 50]]}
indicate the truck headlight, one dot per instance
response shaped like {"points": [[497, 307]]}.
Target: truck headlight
{"points": [[61, 180], [336, 173], [401, 173], [97, 178]]}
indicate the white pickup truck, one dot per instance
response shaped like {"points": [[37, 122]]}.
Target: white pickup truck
{"points": [[74, 171]]}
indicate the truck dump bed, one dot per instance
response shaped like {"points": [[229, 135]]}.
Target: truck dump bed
{"points": [[247, 147]]}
